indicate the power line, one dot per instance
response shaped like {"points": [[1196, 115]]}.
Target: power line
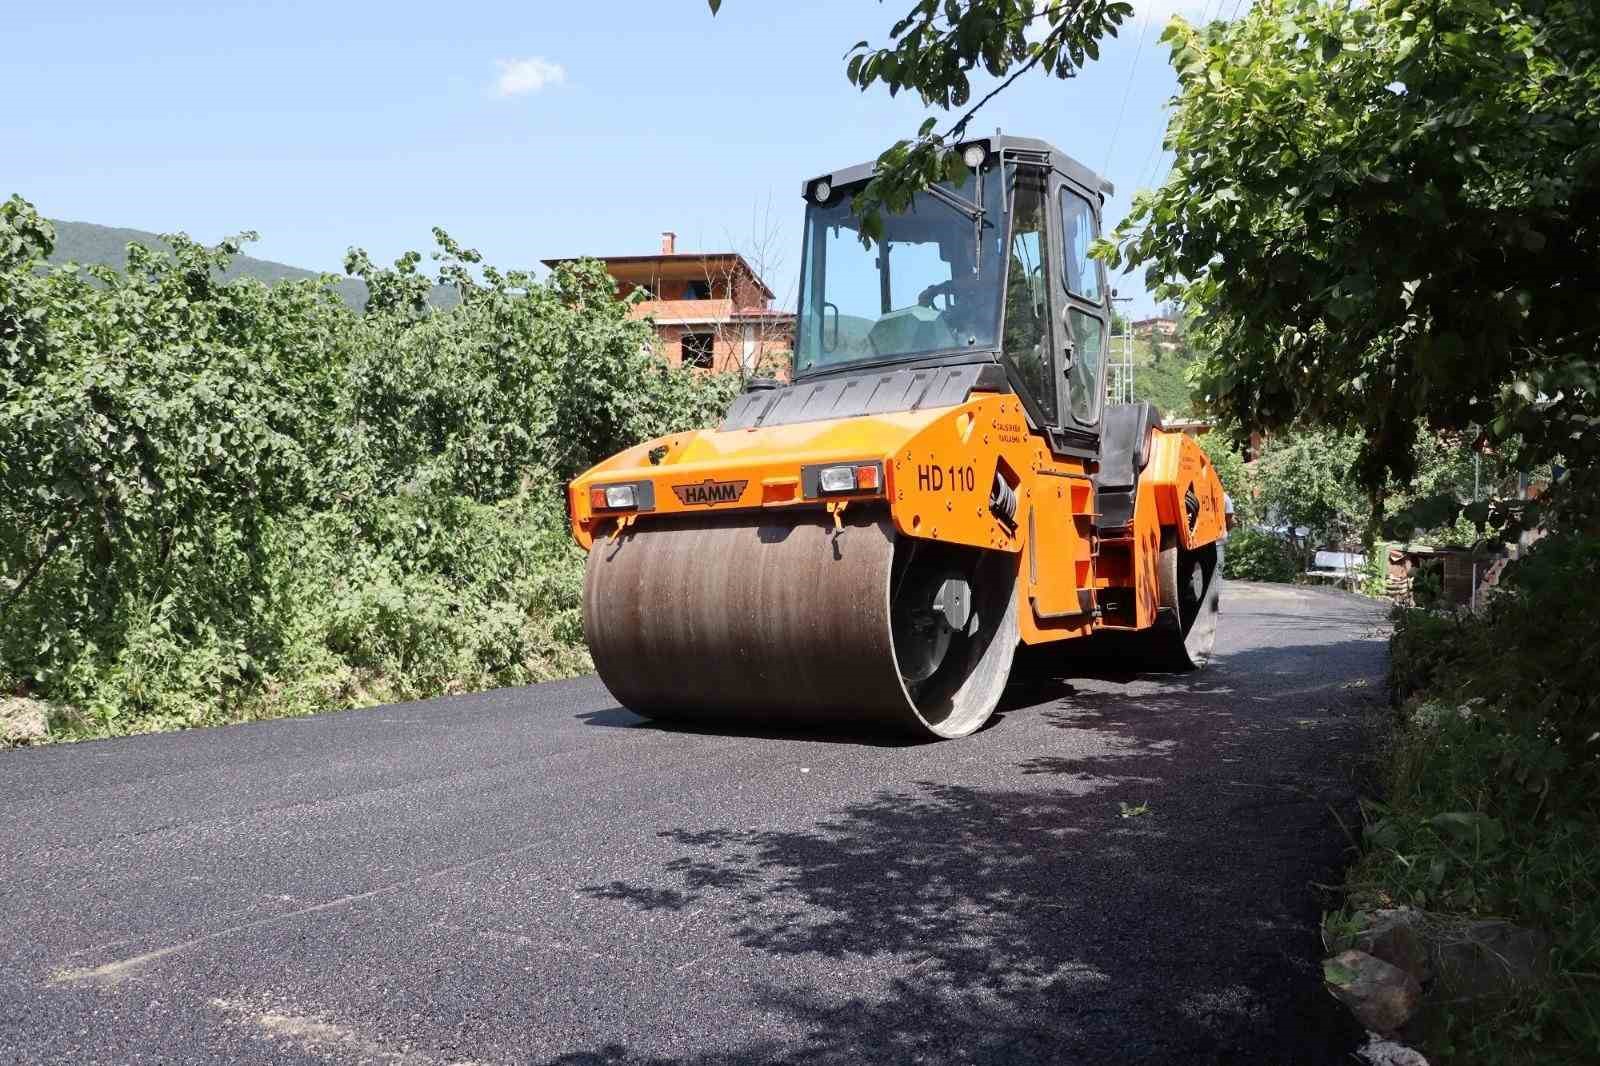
{"points": [[1152, 162], [1156, 150], [1148, 180], [1148, 172], [1149, 160], [1127, 90], [1159, 175]]}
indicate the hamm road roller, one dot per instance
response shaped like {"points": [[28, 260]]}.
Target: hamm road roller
{"points": [[939, 481]]}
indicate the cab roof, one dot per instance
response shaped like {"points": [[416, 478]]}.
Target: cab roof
{"points": [[1008, 147]]}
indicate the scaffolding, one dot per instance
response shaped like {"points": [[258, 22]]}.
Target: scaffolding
{"points": [[1119, 361]]}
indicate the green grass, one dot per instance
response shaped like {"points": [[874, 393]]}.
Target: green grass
{"points": [[1490, 805], [1451, 841]]}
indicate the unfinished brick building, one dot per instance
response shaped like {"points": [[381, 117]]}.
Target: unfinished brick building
{"points": [[710, 309]]}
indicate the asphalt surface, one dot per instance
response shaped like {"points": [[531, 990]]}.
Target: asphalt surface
{"points": [[536, 876]]}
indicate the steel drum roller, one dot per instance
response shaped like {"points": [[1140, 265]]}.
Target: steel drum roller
{"points": [[782, 620]]}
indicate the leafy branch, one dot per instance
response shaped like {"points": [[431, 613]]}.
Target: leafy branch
{"points": [[934, 50]]}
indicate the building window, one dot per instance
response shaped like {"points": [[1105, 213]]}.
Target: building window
{"points": [[697, 349], [697, 290]]}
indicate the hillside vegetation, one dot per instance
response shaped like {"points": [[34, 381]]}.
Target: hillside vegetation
{"points": [[1160, 375], [223, 499], [90, 244]]}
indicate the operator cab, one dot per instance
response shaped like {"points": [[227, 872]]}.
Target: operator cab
{"points": [[993, 268]]}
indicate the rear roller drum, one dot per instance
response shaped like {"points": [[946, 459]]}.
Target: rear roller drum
{"points": [[1190, 587], [761, 621]]}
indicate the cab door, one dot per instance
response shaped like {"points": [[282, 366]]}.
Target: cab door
{"points": [[1030, 344], [1083, 311]]}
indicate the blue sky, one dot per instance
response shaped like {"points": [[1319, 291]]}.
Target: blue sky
{"points": [[528, 130]]}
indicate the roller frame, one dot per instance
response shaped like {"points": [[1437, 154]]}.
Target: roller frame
{"points": [[691, 616]]}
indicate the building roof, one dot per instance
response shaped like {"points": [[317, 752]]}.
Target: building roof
{"points": [[674, 265]]}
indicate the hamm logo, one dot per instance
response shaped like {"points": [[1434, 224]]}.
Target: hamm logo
{"points": [[710, 493]]}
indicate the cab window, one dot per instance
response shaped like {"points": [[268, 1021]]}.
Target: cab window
{"points": [[1082, 275], [1088, 342]]}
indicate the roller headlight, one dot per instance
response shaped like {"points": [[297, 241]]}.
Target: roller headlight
{"points": [[837, 479]]}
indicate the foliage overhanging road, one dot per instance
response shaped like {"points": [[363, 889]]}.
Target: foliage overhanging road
{"points": [[531, 876]]}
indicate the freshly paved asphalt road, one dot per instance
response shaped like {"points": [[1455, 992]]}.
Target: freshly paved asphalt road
{"points": [[535, 876]]}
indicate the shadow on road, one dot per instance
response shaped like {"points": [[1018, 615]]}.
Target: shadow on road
{"points": [[1039, 675], [621, 718], [1042, 922]]}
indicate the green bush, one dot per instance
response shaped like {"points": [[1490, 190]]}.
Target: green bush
{"points": [[1251, 553], [1492, 794], [1308, 479], [1255, 555], [1237, 480], [1425, 648], [1528, 655], [1467, 830], [224, 500]]}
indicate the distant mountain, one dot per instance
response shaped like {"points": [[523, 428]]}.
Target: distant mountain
{"points": [[85, 242]]}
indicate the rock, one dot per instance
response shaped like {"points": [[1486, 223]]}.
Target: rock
{"points": [[1396, 936], [22, 721], [1381, 996], [1489, 958], [1381, 1052]]}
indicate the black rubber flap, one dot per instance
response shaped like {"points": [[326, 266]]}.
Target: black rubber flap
{"points": [[1125, 443]]}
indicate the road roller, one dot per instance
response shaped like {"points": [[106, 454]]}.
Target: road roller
{"points": [[938, 481]]}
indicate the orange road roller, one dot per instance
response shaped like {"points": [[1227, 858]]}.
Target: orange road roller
{"points": [[939, 481]]}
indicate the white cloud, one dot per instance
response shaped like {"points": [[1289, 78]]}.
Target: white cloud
{"points": [[518, 77]]}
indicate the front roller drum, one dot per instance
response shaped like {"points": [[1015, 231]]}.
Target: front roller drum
{"points": [[756, 621]]}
